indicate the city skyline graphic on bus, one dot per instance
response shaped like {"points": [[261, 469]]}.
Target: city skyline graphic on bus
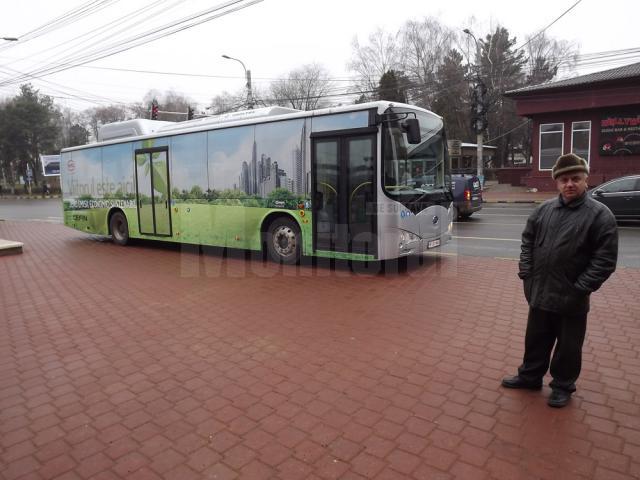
{"points": [[266, 172]]}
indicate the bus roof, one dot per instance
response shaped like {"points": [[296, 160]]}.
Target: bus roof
{"points": [[142, 129]]}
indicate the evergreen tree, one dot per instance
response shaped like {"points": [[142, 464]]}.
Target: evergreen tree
{"points": [[452, 97], [30, 127], [361, 99], [501, 67], [78, 135], [393, 87]]}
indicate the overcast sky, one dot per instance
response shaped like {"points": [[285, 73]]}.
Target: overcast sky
{"points": [[271, 37]]}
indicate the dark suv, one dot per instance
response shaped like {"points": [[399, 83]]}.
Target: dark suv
{"points": [[467, 195]]}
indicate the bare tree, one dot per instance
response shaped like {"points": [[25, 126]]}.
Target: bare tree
{"points": [[72, 128], [98, 116], [138, 110], [372, 60], [303, 88], [546, 56], [226, 102], [173, 105], [424, 46]]}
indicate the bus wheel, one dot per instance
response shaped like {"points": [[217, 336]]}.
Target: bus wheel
{"points": [[119, 228], [283, 241]]}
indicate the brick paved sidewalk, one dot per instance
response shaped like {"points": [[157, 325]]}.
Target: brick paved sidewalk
{"points": [[147, 362]]}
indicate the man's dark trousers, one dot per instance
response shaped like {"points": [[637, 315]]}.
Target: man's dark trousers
{"points": [[543, 330]]}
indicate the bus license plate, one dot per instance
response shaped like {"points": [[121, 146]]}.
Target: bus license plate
{"points": [[433, 243]]}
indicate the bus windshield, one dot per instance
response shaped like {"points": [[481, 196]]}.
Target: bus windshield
{"points": [[413, 169]]}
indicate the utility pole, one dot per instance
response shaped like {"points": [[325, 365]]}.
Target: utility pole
{"points": [[247, 74], [249, 91], [479, 113], [480, 121], [28, 178]]}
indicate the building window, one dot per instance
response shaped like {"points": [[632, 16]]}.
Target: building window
{"points": [[581, 139], [551, 144]]}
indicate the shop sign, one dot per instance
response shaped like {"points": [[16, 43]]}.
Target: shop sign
{"points": [[620, 135]]}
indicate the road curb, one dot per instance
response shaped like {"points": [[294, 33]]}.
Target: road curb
{"points": [[513, 201], [27, 197], [9, 247]]}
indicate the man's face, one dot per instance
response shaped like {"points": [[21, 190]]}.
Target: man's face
{"points": [[572, 185]]}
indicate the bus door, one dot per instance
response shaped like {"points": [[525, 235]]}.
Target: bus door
{"points": [[344, 198], [152, 190]]}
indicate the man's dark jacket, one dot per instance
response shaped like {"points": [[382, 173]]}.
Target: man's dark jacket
{"points": [[568, 251]]}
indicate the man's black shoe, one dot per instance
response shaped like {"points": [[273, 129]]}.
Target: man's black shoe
{"points": [[558, 398], [517, 382]]}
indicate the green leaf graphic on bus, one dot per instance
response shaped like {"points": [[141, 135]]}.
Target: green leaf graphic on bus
{"points": [[159, 173]]}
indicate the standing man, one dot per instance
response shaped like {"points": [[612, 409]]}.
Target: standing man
{"points": [[569, 248]]}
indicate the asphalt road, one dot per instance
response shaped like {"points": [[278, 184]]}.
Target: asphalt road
{"points": [[494, 231], [45, 210]]}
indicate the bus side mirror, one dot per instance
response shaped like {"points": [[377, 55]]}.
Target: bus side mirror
{"points": [[411, 127]]}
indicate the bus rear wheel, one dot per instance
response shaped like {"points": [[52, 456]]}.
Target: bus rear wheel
{"points": [[283, 241], [119, 228]]}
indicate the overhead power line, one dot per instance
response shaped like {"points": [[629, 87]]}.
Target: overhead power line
{"points": [[518, 127], [65, 90], [201, 75], [547, 27], [81, 42], [589, 59], [140, 39], [63, 20]]}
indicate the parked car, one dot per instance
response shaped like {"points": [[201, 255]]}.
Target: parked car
{"points": [[621, 195], [467, 195]]}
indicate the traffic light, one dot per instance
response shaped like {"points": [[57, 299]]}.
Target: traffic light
{"points": [[190, 113], [479, 107], [478, 124], [154, 109]]}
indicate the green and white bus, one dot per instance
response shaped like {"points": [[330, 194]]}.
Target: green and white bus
{"points": [[362, 182]]}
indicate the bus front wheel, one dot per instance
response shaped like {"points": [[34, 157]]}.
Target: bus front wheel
{"points": [[119, 228], [283, 241]]}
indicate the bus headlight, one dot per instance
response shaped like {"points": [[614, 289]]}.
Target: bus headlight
{"points": [[405, 239]]}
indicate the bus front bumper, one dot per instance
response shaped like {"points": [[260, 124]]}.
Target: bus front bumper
{"points": [[417, 245]]}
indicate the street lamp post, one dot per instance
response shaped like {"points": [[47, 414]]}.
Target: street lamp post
{"points": [[479, 124], [247, 74]]}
